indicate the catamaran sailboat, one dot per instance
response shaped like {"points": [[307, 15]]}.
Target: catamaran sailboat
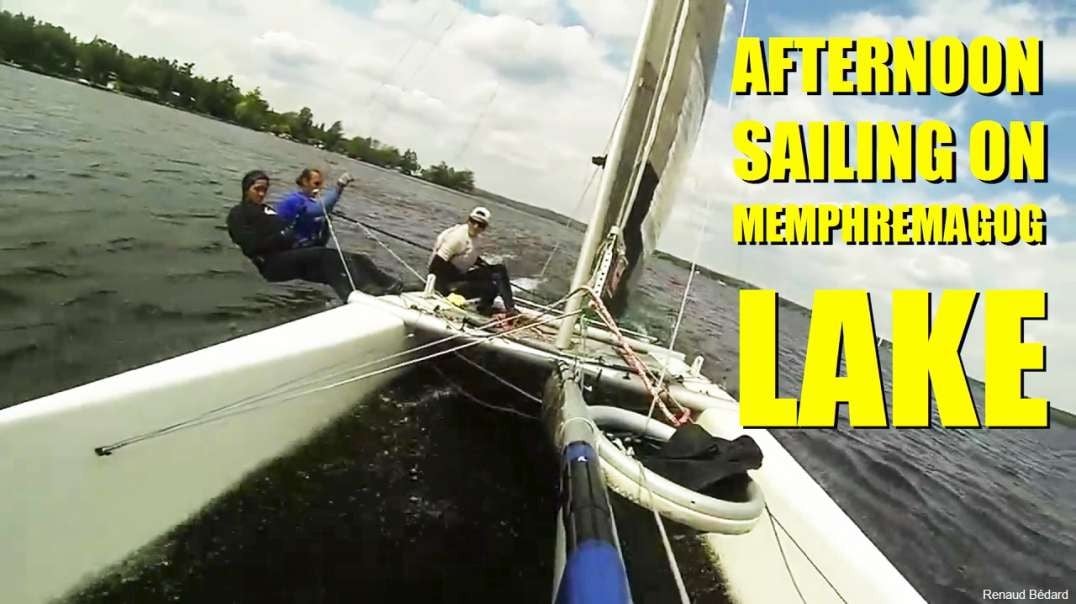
{"points": [[155, 445]]}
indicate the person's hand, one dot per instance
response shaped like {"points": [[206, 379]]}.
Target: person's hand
{"points": [[344, 180]]}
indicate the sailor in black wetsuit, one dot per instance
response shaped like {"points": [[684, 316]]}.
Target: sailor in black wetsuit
{"points": [[269, 243]]}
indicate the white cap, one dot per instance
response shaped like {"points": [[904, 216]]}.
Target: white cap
{"points": [[480, 214]]}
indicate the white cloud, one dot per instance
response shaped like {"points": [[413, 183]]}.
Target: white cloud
{"points": [[151, 17], [1064, 177], [967, 19], [285, 47], [1055, 207], [619, 20], [523, 50], [539, 11]]}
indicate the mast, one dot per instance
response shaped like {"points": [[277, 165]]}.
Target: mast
{"points": [[669, 88], [594, 235]]}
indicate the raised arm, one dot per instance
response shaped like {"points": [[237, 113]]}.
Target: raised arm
{"points": [[324, 205], [328, 200]]}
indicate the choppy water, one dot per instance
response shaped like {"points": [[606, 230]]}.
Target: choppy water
{"points": [[113, 255]]}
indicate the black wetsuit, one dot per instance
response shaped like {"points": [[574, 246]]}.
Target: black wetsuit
{"points": [[267, 241], [482, 281]]}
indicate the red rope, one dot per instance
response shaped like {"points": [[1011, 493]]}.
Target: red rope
{"points": [[636, 364]]}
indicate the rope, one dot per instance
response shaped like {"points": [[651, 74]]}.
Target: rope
{"points": [[339, 249], [784, 558], [739, 248], [399, 62], [499, 379], [389, 250], [674, 568], [383, 120], [586, 420], [636, 363], [241, 407], [774, 522], [479, 401], [593, 173], [366, 225], [329, 373], [578, 206], [347, 218]]}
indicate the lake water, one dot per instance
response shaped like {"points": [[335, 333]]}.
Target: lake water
{"points": [[113, 255]]}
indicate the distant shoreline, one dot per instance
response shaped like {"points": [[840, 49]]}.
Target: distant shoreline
{"points": [[163, 103], [477, 194], [135, 97]]}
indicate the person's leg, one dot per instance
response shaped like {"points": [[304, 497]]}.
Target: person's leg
{"points": [[476, 286], [370, 271], [317, 265], [495, 276], [284, 266], [503, 285]]}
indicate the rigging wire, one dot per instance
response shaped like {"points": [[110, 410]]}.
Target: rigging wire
{"points": [[366, 225], [596, 170], [387, 249], [337, 370], [503, 381], [784, 557], [575, 212], [385, 116], [249, 403], [670, 556], [478, 122], [339, 248], [775, 522], [479, 401], [414, 42], [369, 99]]}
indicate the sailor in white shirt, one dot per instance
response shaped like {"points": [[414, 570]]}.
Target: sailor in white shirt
{"points": [[458, 267]]}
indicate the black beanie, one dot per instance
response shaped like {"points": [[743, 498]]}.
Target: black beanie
{"points": [[250, 178]]}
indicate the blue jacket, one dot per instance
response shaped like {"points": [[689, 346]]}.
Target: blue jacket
{"points": [[307, 216]]}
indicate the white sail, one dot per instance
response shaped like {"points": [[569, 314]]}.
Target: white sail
{"points": [[666, 102]]}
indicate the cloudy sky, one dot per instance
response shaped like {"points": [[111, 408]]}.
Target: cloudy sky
{"points": [[525, 91]]}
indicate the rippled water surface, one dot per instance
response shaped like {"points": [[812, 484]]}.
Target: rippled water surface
{"points": [[113, 254]]}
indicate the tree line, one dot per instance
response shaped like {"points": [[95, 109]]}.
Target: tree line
{"points": [[49, 49]]}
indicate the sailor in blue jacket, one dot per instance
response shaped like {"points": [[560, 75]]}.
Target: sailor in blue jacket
{"points": [[303, 209], [269, 242]]}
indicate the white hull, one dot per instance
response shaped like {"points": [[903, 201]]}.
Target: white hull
{"points": [[67, 513], [753, 564]]}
